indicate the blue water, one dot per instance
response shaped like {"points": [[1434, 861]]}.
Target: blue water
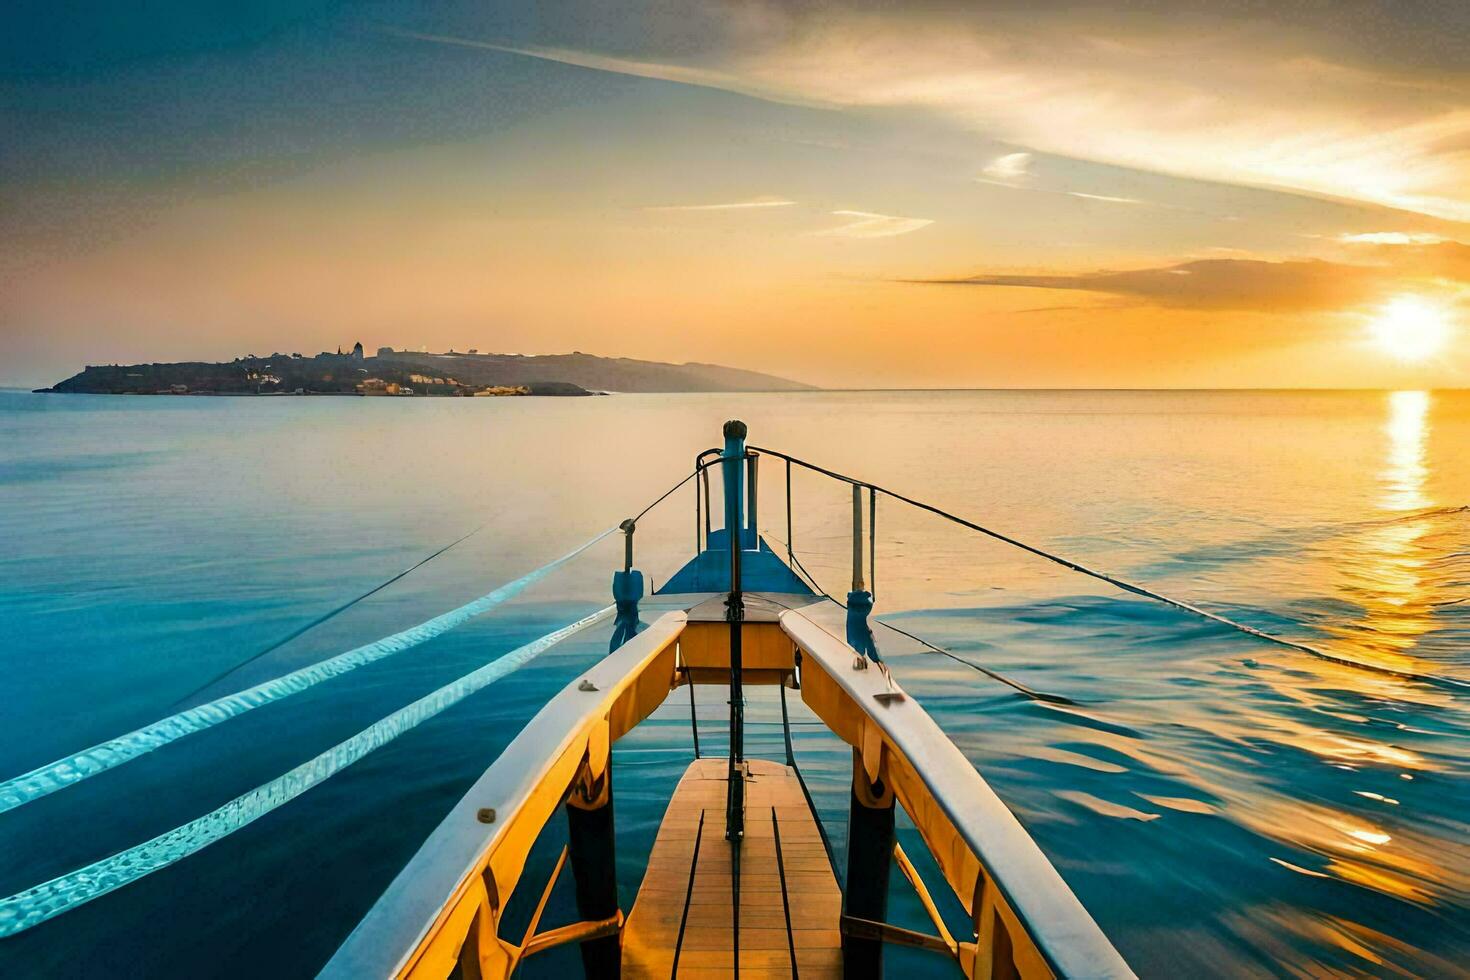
{"points": [[1223, 806]]}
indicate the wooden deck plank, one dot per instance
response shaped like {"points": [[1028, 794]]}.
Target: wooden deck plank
{"points": [[666, 901]]}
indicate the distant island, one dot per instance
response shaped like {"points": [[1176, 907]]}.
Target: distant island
{"points": [[416, 373]]}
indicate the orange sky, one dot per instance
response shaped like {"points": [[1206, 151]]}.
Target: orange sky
{"points": [[847, 196]]}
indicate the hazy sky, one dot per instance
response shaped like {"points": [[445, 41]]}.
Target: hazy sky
{"points": [[966, 194]]}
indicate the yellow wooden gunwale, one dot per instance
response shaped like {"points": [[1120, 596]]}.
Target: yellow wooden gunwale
{"points": [[567, 741], [1026, 921]]}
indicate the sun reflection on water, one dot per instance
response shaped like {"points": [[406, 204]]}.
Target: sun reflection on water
{"points": [[1405, 471], [1387, 564], [1386, 569]]}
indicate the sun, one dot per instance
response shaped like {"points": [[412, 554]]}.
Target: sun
{"points": [[1411, 328]]}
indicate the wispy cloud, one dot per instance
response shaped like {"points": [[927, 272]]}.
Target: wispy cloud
{"points": [[1258, 284], [1104, 197], [1215, 284], [1255, 107], [1227, 105], [1010, 167], [867, 224], [1084, 195], [683, 74], [760, 202], [1392, 238]]}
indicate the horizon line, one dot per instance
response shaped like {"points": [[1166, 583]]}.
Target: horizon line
{"points": [[30, 390]]}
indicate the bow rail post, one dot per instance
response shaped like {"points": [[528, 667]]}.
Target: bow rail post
{"points": [[870, 820], [592, 847], [752, 522], [627, 589], [859, 600]]}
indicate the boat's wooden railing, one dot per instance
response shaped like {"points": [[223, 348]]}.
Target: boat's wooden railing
{"points": [[1025, 921], [443, 910]]}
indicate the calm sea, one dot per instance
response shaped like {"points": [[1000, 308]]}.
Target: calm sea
{"points": [[1222, 805]]}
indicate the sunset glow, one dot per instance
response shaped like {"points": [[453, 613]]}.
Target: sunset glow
{"points": [[852, 195], [1411, 328]]}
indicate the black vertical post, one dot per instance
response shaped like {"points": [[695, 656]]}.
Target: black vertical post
{"points": [[786, 725], [693, 711], [591, 853], [734, 455], [752, 471], [790, 537], [869, 857]]}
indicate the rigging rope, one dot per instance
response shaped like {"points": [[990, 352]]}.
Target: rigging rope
{"points": [[322, 619], [114, 752], [1029, 692], [699, 467], [1139, 590], [49, 899]]}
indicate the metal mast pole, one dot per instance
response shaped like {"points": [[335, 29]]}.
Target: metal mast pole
{"points": [[733, 466]]}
